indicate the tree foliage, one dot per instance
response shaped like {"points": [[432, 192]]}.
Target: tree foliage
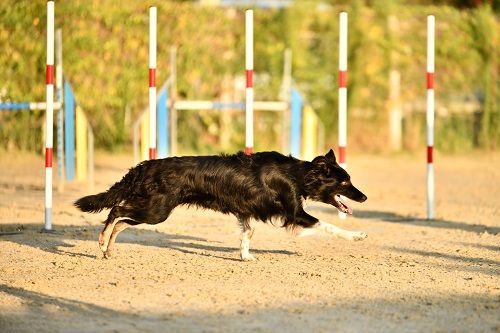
{"points": [[105, 45]]}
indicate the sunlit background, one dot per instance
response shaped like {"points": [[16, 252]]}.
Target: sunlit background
{"points": [[105, 59]]}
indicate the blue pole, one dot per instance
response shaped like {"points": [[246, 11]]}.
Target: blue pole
{"points": [[296, 123], [59, 143], [60, 132], [162, 124], [69, 133], [14, 106]]}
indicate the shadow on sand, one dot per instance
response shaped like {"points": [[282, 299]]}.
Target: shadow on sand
{"points": [[57, 241], [405, 314], [454, 262], [409, 220]]}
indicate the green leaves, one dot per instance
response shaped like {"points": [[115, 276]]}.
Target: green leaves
{"points": [[106, 59]]}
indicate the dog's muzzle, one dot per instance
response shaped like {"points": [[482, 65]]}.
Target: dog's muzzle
{"points": [[342, 205]]}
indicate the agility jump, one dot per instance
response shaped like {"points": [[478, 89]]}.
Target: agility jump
{"points": [[166, 109]]}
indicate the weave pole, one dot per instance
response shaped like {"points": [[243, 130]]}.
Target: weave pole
{"points": [[342, 93], [249, 85], [430, 115], [152, 83], [49, 100]]}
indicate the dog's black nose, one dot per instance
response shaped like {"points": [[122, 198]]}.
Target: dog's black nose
{"points": [[363, 198]]}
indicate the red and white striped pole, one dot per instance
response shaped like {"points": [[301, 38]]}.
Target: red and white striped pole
{"points": [[249, 86], [152, 83], [49, 100], [342, 93], [430, 115]]}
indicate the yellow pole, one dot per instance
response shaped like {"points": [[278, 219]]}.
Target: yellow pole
{"points": [[81, 145], [309, 134], [144, 137]]}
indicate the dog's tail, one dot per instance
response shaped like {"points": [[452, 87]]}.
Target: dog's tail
{"points": [[117, 193], [97, 202]]}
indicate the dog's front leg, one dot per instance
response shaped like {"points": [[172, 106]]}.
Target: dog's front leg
{"points": [[341, 233], [310, 224], [246, 236]]}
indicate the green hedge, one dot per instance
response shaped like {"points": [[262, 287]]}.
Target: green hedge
{"points": [[106, 59]]}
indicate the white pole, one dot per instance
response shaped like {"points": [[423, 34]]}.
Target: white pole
{"points": [[249, 82], [430, 116], [173, 98], [395, 115], [286, 89], [152, 83], [49, 80], [342, 93], [90, 161]]}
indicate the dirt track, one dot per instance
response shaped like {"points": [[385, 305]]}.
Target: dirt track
{"points": [[185, 275]]}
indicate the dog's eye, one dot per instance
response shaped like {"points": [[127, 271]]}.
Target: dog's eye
{"points": [[344, 183]]}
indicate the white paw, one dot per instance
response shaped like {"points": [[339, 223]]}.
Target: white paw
{"points": [[358, 236], [247, 257], [103, 245], [306, 232]]}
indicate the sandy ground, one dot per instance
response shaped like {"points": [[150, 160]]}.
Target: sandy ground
{"points": [[185, 275]]}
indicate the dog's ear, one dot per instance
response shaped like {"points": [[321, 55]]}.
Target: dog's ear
{"points": [[330, 155], [322, 163]]}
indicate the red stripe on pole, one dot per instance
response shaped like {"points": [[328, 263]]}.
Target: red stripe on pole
{"points": [[249, 78], [342, 79], [152, 77], [248, 150], [430, 154], [341, 154], [49, 74], [152, 153], [48, 157], [430, 80]]}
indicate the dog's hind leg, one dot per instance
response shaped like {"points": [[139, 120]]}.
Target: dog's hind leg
{"points": [[119, 227], [247, 230], [116, 213], [109, 224], [156, 212]]}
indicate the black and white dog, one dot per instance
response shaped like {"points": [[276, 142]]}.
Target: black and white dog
{"points": [[265, 186]]}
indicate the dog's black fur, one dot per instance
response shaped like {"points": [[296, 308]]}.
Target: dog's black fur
{"points": [[261, 186], [264, 186]]}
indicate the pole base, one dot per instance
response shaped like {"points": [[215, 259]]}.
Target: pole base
{"points": [[48, 231]]}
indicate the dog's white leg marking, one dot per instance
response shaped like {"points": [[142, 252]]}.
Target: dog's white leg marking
{"points": [[105, 235], [307, 232], [246, 235], [304, 203], [341, 233], [119, 226]]}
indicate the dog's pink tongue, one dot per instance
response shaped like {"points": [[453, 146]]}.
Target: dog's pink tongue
{"points": [[349, 209]]}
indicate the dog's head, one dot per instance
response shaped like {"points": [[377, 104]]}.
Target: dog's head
{"points": [[326, 181]]}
